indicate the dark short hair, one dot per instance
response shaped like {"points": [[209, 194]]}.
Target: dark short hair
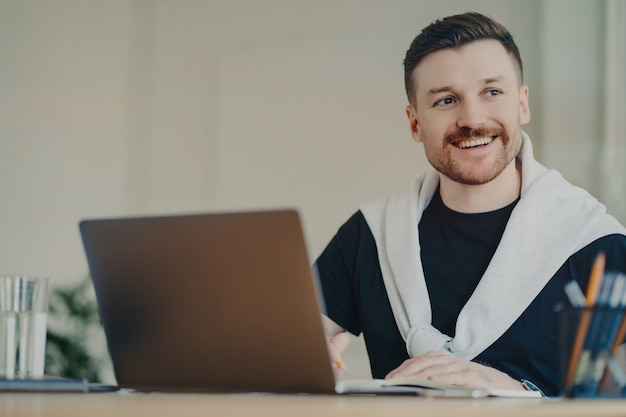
{"points": [[454, 32]]}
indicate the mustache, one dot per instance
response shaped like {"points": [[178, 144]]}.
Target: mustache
{"points": [[466, 133]]}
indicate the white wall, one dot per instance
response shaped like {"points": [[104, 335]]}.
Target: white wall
{"points": [[571, 86], [132, 107], [120, 107]]}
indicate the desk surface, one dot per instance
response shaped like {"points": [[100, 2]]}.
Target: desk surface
{"points": [[207, 405]]}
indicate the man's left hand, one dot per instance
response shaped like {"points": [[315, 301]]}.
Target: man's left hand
{"points": [[447, 369]]}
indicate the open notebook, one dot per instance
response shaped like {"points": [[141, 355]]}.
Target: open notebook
{"points": [[221, 302]]}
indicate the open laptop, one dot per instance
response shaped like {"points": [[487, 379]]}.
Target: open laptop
{"points": [[218, 303], [210, 302]]}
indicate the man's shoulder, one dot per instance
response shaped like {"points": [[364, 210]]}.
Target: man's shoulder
{"points": [[614, 248], [615, 242], [355, 226]]}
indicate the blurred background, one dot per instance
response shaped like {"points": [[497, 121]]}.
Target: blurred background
{"points": [[145, 107]]}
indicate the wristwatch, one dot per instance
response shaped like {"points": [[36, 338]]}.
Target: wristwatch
{"points": [[529, 386]]}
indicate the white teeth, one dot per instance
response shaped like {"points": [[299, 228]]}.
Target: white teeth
{"points": [[472, 143]]}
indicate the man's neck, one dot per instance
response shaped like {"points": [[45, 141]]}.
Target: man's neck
{"points": [[491, 196]]}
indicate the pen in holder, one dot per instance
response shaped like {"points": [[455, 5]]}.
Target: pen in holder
{"points": [[592, 364]]}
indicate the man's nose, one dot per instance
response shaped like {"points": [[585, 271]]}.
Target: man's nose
{"points": [[471, 114]]}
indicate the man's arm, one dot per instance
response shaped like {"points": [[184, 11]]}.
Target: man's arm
{"points": [[337, 341]]}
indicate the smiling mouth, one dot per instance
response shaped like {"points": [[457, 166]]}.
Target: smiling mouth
{"points": [[464, 144]]}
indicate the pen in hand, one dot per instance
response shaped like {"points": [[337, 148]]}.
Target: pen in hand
{"points": [[341, 365], [336, 346]]}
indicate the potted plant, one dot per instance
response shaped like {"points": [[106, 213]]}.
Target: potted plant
{"points": [[75, 346]]}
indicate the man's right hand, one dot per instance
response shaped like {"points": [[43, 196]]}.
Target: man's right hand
{"points": [[337, 344]]}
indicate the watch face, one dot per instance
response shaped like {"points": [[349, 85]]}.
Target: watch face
{"points": [[530, 386]]}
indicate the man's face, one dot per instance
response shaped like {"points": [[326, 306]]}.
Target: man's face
{"points": [[469, 111]]}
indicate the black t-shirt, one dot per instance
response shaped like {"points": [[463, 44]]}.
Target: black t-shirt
{"points": [[456, 249]]}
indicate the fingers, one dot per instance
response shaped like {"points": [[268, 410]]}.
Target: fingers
{"points": [[445, 368], [426, 366], [336, 346]]}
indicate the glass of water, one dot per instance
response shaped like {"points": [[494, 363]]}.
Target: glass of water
{"points": [[23, 316]]}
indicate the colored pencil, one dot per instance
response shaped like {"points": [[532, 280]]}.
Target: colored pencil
{"points": [[593, 288]]}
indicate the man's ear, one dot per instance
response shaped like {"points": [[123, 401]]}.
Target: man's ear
{"points": [[524, 108], [411, 114]]}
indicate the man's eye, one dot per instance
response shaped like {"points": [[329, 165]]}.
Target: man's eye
{"points": [[493, 93], [444, 101]]}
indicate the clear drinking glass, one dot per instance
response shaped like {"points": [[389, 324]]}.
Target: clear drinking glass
{"points": [[23, 318]]}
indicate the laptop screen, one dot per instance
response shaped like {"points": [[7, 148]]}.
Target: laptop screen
{"points": [[211, 302]]}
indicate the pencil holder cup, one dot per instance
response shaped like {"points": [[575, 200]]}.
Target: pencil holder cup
{"points": [[592, 363]]}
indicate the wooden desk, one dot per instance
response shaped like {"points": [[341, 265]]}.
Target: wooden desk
{"points": [[208, 405]]}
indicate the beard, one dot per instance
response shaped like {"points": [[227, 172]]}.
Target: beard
{"points": [[479, 170]]}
